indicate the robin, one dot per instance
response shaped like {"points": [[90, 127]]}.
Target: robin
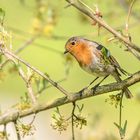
{"points": [[95, 59]]}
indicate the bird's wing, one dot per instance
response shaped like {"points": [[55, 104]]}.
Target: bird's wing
{"points": [[104, 53], [109, 59], [116, 64]]}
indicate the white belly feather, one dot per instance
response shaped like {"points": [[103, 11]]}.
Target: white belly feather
{"points": [[98, 68]]}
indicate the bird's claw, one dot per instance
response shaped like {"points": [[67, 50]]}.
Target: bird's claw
{"points": [[94, 88], [83, 90]]}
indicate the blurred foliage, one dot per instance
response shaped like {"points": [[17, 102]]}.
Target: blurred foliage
{"points": [[25, 129], [114, 99], [2, 15], [60, 122], [2, 135], [23, 104], [45, 18], [2, 75]]}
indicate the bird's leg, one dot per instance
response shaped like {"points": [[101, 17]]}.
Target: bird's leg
{"points": [[99, 82], [89, 84], [92, 82]]}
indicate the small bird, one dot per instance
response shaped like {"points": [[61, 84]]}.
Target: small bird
{"points": [[95, 59]]}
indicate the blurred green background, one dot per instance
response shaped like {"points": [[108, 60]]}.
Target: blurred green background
{"points": [[46, 54]]}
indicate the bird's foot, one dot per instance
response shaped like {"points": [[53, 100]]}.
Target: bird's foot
{"points": [[94, 88], [83, 90]]}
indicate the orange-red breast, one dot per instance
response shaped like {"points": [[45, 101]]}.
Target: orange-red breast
{"points": [[95, 59]]}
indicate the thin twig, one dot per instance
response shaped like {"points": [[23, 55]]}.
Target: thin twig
{"points": [[120, 114], [128, 15], [120, 110], [125, 5], [127, 30], [134, 53], [43, 46], [135, 78], [72, 121], [5, 132], [42, 89], [26, 44], [30, 92], [23, 46], [33, 119], [17, 130]]}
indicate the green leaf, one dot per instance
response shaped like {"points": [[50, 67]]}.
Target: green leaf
{"points": [[80, 108], [124, 128], [122, 131], [44, 82], [117, 126]]}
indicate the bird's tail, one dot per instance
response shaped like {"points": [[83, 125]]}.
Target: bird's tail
{"points": [[127, 92]]}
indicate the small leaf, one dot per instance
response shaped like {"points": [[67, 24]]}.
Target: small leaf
{"points": [[124, 128], [44, 81], [117, 126], [122, 131], [80, 108]]}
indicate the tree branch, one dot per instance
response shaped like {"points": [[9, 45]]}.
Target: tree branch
{"points": [[8, 117], [87, 11], [26, 44]]}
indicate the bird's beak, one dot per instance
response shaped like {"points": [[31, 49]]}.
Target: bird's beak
{"points": [[66, 51]]}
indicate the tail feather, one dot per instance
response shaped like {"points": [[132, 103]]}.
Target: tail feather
{"points": [[128, 94]]}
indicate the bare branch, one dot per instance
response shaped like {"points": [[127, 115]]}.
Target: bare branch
{"points": [[26, 44], [125, 5], [127, 30], [5, 118], [128, 15], [72, 121]]}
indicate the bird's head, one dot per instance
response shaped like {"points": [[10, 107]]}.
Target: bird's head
{"points": [[80, 48], [73, 45]]}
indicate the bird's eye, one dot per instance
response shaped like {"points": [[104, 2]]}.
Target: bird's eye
{"points": [[73, 43]]}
